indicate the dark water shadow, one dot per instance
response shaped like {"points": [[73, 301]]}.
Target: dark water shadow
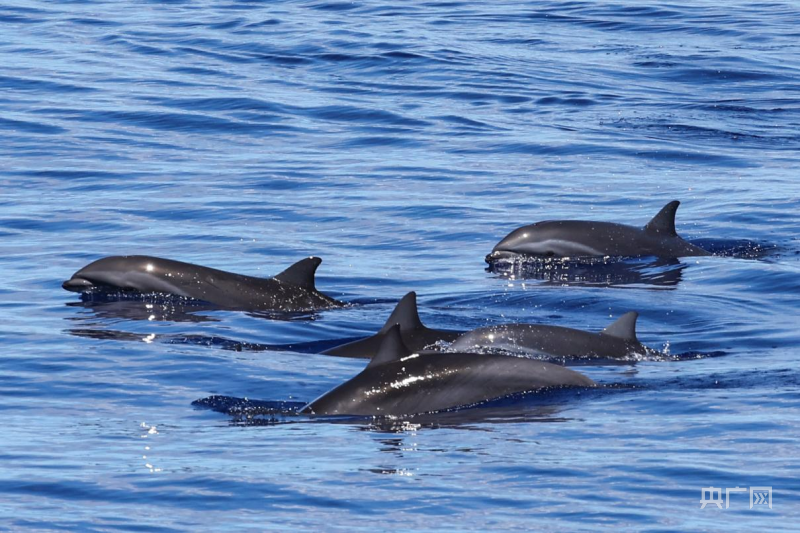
{"points": [[218, 342]]}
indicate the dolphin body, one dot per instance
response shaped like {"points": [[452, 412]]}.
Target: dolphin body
{"points": [[415, 334], [579, 238], [397, 382], [615, 342], [292, 290]]}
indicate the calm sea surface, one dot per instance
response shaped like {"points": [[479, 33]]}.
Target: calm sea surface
{"points": [[399, 142]]}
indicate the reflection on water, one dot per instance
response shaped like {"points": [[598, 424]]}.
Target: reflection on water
{"points": [[647, 271], [162, 310], [474, 418], [166, 338], [164, 307]]}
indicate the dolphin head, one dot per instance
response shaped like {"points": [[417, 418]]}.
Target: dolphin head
{"points": [[524, 238], [103, 273], [78, 284], [127, 273], [561, 238]]}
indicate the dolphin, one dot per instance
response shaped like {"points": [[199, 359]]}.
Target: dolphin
{"points": [[415, 335], [579, 238], [398, 382], [615, 342], [290, 291]]}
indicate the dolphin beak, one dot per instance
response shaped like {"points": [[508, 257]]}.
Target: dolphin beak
{"points": [[77, 284], [500, 255]]}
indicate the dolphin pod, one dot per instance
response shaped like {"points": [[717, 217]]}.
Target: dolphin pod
{"points": [[292, 290], [402, 378], [398, 382], [415, 334], [580, 238], [616, 341]]}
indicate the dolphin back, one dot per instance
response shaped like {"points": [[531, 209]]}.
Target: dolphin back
{"points": [[397, 382], [291, 291]]}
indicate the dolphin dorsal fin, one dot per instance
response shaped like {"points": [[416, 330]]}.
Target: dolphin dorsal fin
{"points": [[392, 348], [405, 314], [301, 273], [664, 222], [624, 327]]}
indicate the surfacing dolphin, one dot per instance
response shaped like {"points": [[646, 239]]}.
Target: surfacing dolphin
{"points": [[398, 382], [415, 334], [579, 238], [292, 290], [617, 341]]}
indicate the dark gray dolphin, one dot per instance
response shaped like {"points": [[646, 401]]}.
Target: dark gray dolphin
{"points": [[616, 341], [397, 382], [415, 334], [291, 290], [578, 238]]}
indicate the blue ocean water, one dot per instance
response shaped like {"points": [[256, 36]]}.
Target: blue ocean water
{"points": [[399, 142]]}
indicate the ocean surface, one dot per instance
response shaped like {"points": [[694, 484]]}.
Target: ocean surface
{"points": [[399, 141]]}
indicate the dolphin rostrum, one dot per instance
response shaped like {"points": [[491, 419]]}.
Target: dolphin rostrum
{"points": [[615, 342], [579, 238], [415, 334], [290, 291], [398, 382]]}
